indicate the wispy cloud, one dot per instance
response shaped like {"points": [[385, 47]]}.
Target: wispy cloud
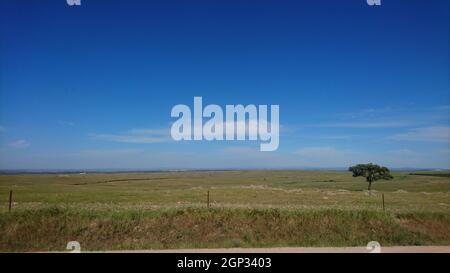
{"points": [[241, 150], [368, 124], [326, 156], [402, 153], [431, 134], [338, 137], [20, 144], [251, 126], [441, 108], [66, 123], [135, 136], [321, 152], [114, 152], [390, 117]]}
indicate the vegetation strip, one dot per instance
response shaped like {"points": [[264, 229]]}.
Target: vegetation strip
{"points": [[51, 228]]}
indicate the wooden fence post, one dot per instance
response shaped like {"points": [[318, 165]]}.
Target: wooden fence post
{"points": [[10, 201], [382, 196], [207, 200]]}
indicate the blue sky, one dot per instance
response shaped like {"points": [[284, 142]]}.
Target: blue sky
{"points": [[92, 86]]}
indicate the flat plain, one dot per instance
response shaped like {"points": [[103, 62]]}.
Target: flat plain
{"points": [[257, 208]]}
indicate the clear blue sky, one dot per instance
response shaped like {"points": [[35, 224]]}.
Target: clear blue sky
{"points": [[92, 86]]}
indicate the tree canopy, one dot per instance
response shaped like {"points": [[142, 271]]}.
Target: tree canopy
{"points": [[371, 172]]}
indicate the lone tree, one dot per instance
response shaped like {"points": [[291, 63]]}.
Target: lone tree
{"points": [[371, 172]]}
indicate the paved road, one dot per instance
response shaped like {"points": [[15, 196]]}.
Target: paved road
{"points": [[390, 249]]}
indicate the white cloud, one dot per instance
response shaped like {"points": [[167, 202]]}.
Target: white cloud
{"points": [[402, 152], [432, 158], [369, 124], [441, 107], [251, 126], [430, 134], [241, 150], [66, 123], [110, 153], [338, 137], [148, 131], [389, 117], [326, 157], [19, 144], [318, 152], [135, 136]]}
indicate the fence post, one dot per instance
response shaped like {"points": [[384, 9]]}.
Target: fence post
{"points": [[10, 201], [382, 196], [207, 200]]}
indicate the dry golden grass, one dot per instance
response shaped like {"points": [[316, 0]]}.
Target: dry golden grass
{"points": [[248, 209], [50, 229]]}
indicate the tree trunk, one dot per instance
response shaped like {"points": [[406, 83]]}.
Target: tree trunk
{"points": [[370, 186]]}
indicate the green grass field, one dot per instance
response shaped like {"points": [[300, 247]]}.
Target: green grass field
{"points": [[109, 211]]}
